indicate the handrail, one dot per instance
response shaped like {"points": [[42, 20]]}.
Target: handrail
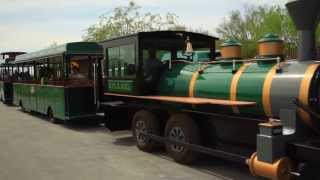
{"points": [[230, 61]]}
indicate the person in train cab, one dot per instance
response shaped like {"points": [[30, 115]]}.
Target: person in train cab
{"points": [[75, 71], [153, 68]]}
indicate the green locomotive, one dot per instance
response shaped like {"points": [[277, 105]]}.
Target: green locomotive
{"points": [[262, 112]]}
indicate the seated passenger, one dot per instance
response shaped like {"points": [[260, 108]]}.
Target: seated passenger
{"points": [[75, 71]]}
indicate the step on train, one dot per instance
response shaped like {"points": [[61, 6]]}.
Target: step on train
{"points": [[175, 89]]}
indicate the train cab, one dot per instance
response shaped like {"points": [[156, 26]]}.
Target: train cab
{"points": [[133, 64]]}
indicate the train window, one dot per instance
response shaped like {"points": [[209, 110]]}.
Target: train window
{"points": [[55, 68], [199, 55], [113, 58], [127, 60], [121, 61], [162, 55]]}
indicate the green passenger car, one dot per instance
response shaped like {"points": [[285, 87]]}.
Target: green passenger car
{"points": [[59, 82]]}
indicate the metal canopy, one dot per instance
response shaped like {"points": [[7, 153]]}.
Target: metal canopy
{"points": [[162, 34], [69, 48]]}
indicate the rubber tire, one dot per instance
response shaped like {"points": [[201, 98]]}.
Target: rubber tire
{"points": [[191, 133], [51, 117], [153, 127]]}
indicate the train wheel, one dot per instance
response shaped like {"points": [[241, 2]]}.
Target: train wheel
{"points": [[51, 117], [181, 127], [145, 121]]}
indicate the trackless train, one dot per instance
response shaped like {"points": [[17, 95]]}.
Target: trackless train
{"points": [[174, 89]]}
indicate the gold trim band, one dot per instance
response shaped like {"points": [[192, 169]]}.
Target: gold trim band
{"points": [[304, 93], [193, 80], [234, 86], [266, 100], [192, 83]]}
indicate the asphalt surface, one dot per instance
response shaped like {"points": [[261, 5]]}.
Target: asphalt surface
{"points": [[33, 149]]}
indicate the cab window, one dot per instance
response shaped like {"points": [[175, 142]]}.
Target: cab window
{"points": [[121, 61], [161, 55]]}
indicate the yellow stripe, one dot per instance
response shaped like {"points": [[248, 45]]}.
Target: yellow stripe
{"points": [[304, 93], [234, 86], [192, 83], [266, 101], [193, 80]]}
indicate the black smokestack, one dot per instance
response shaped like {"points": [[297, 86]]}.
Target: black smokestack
{"points": [[305, 14]]}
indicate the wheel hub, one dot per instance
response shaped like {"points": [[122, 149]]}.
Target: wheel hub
{"points": [[177, 134], [141, 127]]}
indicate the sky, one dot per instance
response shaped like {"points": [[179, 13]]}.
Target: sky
{"points": [[36, 24]]}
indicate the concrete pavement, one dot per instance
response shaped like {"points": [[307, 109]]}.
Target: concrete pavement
{"points": [[33, 149]]}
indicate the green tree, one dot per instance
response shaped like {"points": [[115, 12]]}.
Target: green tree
{"points": [[251, 25], [125, 20]]}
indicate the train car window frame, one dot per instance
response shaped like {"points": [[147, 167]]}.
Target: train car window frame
{"points": [[118, 65]]}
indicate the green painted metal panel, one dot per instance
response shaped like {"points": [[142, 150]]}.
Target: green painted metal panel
{"points": [[120, 86], [83, 48], [65, 102], [250, 86], [215, 81], [270, 37], [16, 94], [175, 82], [38, 98], [51, 96]]}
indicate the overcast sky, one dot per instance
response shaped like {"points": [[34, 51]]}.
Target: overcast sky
{"points": [[29, 25]]}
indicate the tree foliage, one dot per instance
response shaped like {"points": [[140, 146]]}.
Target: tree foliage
{"points": [[125, 20], [256, 21]]}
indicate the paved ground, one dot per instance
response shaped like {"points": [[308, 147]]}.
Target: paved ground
{"points": [[34, 149]]}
